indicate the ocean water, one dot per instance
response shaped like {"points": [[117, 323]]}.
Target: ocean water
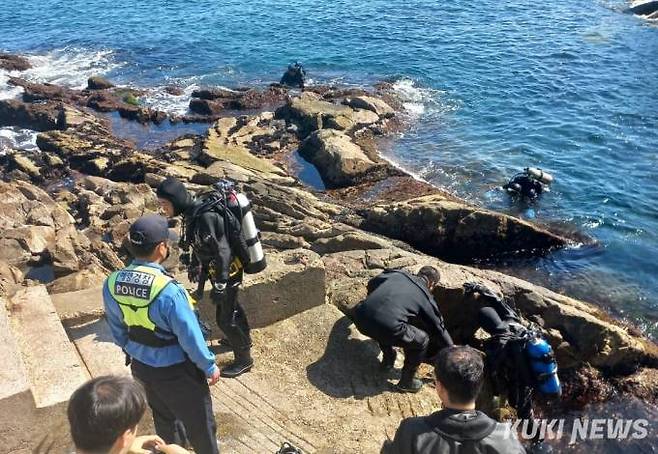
{"points": [[494, 86]]}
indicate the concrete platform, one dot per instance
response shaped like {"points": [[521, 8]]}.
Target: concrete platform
{"points": [[53, 367], [41, 372], [293, 282]]}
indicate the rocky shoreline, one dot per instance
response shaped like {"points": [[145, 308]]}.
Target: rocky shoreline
{"points": [[372, 215]]}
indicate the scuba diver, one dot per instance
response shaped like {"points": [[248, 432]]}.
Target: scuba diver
{"points": [[220, 229], [519, 358], [295, 76], [528, 184]]}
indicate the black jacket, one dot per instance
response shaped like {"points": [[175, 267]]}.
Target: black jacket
{"points": [[453, 432], [213, 241], [396, 299]]}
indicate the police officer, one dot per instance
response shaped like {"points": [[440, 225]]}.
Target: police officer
{"points": [[218, 249], [151, 318], [400, 311]]}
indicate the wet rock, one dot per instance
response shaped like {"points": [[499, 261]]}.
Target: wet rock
{"points": [[39, 117], [22, 162], [372, 104], [456, 231], [584, 386], [98, 83], [312, 113], [215, 93], [174, 91], [259, 99], [104, 102], [339, 161], [212, 102], [229, 140], [644, 8], [34, 92], [642, 384], [10, 62], [74, 117], [206, 107]]}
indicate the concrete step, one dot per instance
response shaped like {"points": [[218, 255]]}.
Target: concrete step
{"points": [[293, 282], [54, 369], [41, 369], [15, 396], [96, 347], [80, 306]]}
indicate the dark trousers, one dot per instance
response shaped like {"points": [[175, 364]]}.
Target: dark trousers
{"points": [[414, 342], [180, 394], [231, 317]]}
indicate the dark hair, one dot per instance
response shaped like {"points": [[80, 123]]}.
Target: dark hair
{"points": [[460, 370], [141, 251], [430, 273], [102, 409]]}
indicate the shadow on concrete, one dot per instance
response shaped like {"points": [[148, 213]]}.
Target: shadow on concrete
{"points": [[349, 367], [99, 329]]}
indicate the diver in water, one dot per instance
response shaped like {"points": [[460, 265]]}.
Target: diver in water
{"points": [[295, 76], [529, 184]]}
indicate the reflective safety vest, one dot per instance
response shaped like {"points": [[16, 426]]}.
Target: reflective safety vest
{"points": [[134, 289]]}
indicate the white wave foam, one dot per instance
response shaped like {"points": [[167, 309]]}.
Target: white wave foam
{"points": [[70, 67], [422, 101], [17, 139], [8, 91], [159, 99]]}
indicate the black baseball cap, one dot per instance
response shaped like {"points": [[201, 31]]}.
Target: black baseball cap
{"points": [[148, 230]]}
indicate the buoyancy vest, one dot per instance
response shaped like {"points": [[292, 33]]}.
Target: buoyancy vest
{"points": [[134, 289]]}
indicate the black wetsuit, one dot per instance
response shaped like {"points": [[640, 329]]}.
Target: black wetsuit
{"points": [[525, 186], [294, 77], [216, 243], [506, 359], [400, 311]]}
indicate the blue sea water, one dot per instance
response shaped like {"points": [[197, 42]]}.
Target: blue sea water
{"points": [[493, 86]]}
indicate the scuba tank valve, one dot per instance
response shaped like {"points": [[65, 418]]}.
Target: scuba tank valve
{"points": [[539, 174]]}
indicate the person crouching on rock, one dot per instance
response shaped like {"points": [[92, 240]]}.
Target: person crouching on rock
{"points": [[400, 311], [458, 427], [218, 250]]}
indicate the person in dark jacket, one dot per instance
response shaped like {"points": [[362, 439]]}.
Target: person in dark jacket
{"points": [[458, 428], [294, 76], [400, 311], [218, 250]]}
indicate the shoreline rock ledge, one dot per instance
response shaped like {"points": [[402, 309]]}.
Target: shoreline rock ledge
{"points": [[324, 246]]}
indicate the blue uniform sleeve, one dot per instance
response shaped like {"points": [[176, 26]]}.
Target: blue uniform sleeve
{"points": [[114, 318], [185, 326]]}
